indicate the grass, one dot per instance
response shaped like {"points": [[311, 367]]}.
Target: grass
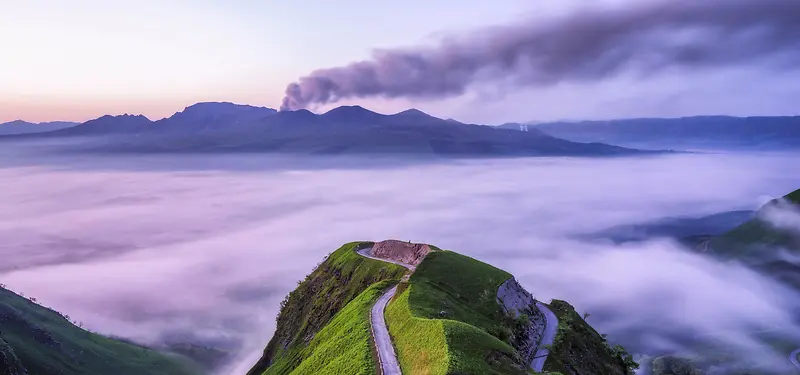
{"points": [[420, 343], [44, 342], [440, 320], [579, 350], [337, 281], [344, 346]]}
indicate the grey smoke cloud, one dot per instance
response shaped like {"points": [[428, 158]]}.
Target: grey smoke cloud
{"points": [[208, 246], [587, 45]]}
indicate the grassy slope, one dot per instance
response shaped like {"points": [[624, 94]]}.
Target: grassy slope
{"points": [[344, 346], [756, 231], [757, 243], [47, 343], [578, 349], [465, 289], [337, 281]]}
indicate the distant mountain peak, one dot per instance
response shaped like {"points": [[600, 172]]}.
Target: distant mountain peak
{"points": [[349, 109], [412, 112], [17, 122], [212, 109], [122, 116]]}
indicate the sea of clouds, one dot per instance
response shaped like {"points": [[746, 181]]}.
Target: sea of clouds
{"points": [[203, 248]]}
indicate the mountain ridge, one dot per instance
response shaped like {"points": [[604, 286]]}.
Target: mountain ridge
{"points": [[24, 127], [693, 131], [227, 127]]}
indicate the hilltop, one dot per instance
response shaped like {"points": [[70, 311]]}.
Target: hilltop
{"points": [[227, 127], [35, 340], [443, 313]]}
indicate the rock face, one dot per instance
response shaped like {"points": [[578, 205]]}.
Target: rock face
{"points": [[674, 366], [406, 252], [9, 363], [516, 302]]}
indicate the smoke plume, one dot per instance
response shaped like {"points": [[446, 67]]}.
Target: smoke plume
{"points": [[587, 45]]}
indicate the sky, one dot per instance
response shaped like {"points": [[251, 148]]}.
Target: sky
{"points": [[81, 59]]}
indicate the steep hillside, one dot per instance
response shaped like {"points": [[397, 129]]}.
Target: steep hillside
{"points": [[331, 289], [38, 341], [451, 314]]}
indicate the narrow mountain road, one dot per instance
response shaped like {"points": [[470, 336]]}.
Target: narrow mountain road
{"points": [[793, 358], [380, 333], [550, 329]]}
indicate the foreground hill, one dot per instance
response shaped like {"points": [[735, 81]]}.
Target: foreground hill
{"points": [[447, 314], [24, 127], [722, 132], [38, 341], [226, 127]]}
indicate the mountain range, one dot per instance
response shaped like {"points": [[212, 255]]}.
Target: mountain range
{"points": [[226, 127], [721, 132], [24, 127]]}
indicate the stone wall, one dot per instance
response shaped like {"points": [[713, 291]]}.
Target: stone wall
{"points": [[516, 301]]}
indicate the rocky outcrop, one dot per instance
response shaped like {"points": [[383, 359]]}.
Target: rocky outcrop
{"points": [[530, 322], [669, 365], [9, 363], [406, 252]]}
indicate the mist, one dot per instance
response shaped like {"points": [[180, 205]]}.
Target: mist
{"points": [[588, 45], [203, 248]]}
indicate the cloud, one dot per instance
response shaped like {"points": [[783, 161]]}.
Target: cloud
{"points": [[783, 215], [589, 44], [205, 247]]}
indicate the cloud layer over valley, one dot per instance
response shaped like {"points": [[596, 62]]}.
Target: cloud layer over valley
{"points": [[204, 248]]}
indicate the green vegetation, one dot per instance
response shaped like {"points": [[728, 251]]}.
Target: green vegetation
{"points": [[758, 243], [344, 346], [338, 280], [578, 349], [420, 343], [756, 234], [44, 342], [444, 320], [440, 321]]}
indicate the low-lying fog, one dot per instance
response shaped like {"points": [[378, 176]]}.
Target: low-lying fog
{"points": [[204, 247]]}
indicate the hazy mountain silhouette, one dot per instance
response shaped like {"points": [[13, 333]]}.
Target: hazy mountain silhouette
{"points": [[24, 127], [227, 127], [699, 131]]}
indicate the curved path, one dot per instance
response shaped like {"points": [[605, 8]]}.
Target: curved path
{"points": [[793, 358], [550, 329], [380, 333], [383, 341]]}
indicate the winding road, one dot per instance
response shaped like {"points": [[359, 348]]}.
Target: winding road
{"points": [[550, 329], [793, 358], [380, 333], [387, 357]]}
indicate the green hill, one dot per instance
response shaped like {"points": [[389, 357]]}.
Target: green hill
{"points": [[758, 233], [759, 243], [445, 318], [35, 340]]}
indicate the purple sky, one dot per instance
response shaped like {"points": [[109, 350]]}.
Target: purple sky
{"points": [[79, 61]]}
